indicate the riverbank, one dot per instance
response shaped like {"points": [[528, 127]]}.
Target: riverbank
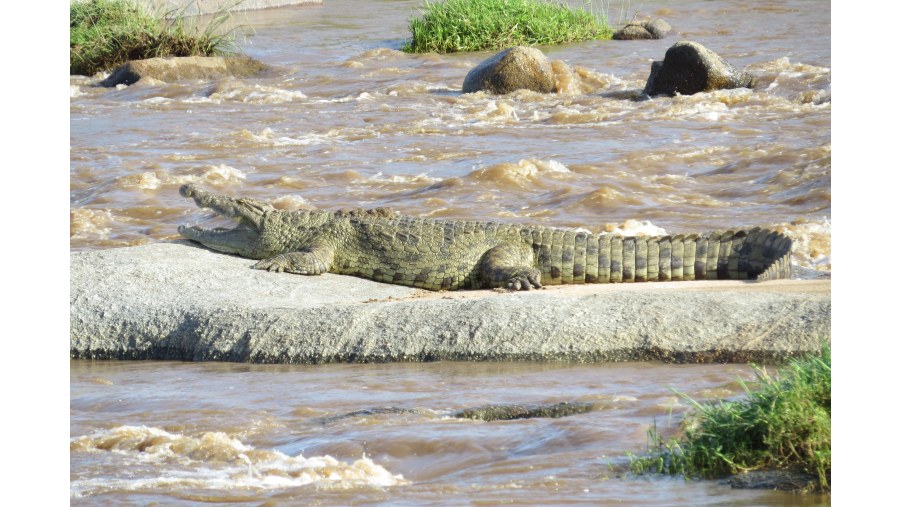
{"points": [[178, 301]]}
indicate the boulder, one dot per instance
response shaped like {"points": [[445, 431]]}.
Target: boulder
{"points": [[652, 29], [690, 68], [185, 67], [512, 69], [657, 27], [180, 301]]}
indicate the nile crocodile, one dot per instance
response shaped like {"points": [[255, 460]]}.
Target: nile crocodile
{"points": [[381, 245]]}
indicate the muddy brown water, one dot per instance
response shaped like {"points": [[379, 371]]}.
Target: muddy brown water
{"points": [[183, 433], [344, 119]]}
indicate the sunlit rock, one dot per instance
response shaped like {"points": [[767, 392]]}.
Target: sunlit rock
{"points": [[512, 69], [648, 29], [690, 68]]}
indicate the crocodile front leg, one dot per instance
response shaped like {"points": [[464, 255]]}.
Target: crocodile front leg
{"points": [[511, 267], [313, 260]]}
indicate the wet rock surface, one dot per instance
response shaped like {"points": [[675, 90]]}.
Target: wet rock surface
{"points": [[366, 412], [487, 413], [690, 68], [638, 30], [512, 69], [188, 67], [781, 480], [177, 301], [512, 412]]}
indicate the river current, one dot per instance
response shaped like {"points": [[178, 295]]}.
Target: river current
{"points": [[344, 119]]}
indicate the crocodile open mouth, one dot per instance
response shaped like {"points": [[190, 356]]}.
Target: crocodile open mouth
{"points": [[239, 240]]}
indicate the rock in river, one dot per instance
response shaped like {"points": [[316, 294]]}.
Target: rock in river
{"points": [[690, 68], [653, 29], [186, 67], [512, 69]]}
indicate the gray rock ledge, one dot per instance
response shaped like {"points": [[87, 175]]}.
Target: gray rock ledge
{"points": [[178, 301]]}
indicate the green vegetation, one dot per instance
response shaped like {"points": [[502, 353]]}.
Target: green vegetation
{"points": [[104, 34], [474, 25], [783, 424]]}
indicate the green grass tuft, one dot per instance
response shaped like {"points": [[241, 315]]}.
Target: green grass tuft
{"points": [[104, 34], [783, 423], [475, 25]]}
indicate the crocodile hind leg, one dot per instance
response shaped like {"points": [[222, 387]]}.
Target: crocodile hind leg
{"points": [[313, 260], [511, 267]]}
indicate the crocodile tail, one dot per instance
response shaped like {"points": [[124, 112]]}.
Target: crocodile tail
{"points": [[567, 256], [757, 254]]}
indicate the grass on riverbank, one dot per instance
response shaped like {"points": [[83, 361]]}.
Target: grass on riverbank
{"points": [[474, 25], [104, 34], [784, 423]]}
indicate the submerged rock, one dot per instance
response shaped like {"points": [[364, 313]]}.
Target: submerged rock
{"points": [[796, 481], [652, 29], [512, 69], [186, 67], [483, 413], [366, 412], [511, 412], [690, 68]]}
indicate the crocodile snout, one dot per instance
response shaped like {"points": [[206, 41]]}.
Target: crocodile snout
{"points": [[187, 190]]}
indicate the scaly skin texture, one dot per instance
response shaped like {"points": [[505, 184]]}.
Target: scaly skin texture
{"points": [[448, 255]]}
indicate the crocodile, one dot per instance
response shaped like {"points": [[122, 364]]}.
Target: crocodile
{"points": [[385, 246]]}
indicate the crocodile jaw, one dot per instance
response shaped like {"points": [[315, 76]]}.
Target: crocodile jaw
{"points": [[241, 240]]}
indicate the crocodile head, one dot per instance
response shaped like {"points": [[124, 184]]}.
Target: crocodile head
{"points": [[246, 239]]}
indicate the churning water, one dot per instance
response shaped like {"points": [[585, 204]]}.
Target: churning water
{"points": [[344, 119]]}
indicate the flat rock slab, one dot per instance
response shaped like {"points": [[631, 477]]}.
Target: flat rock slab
{"points": [[179, 301]]}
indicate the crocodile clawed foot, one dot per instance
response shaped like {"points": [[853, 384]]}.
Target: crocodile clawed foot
{"points": [[302, 263], [525, 280], [275, 264]]}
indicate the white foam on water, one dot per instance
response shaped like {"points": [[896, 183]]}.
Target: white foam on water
{"points": [[222, 172], [213, 461], [811, 243], [421, 178], [259, 94], [156, 100], [632, 227], [90, 223], [523, 173], [534, 167], [784, 67], [268, 138], [216, 175], [495, 111], [291, 202], [691, 106]]}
